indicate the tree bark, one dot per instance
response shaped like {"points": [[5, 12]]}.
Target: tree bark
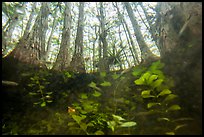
{"points": [[146, 54], [63, 58], [103, 62], [77, 62], [181, 39]]}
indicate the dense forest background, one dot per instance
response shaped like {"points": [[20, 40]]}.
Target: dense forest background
{"points": [[97, 37]]}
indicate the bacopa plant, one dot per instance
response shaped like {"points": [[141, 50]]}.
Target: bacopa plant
{"points": [[157, 95], [37, 86], [90, 118]]}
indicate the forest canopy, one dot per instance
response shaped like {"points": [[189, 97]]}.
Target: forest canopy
{"points": [[88, 36], [103, 25]]}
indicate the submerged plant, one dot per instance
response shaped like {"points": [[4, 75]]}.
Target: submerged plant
{"points": [[156, 94], [38, 85], [91, 118]]}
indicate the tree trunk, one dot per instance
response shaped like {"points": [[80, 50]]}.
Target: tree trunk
{"points": [[146, 54], [181, 42], [103, 62], [52, 31], [127, 33], [77, 62], [63, 58]]}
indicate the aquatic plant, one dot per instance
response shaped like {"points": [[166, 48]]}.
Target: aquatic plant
{"points": [[37, 86], [91, 118], [156, 94]]}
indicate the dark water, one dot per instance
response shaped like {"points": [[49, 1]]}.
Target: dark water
{"points": [[144, 100]]}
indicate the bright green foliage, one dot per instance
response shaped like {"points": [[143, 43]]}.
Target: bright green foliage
{"points": [[156, 65], [149, 105], [164, 92], [103, 74], [138, 71], [163, 119], [117, 118], [106, 84], [96, 93], [128, 124], [118, 121], [180, 126], [139, 81], [84, 96], [89, 116], [152, 78], [37, 86], [173, 108], [170, 133], [67, 74], [156, 83], [157, 92], [93, 85], [170, 97], [146, 94], [78, 118], [115, 76]]}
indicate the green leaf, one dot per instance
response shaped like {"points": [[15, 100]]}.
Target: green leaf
{"points": [[43, 104], [151, 79], [102, 74], [88, 107], [179, 126], [164, 118], [156, 65], [164, 92], [128, 124], [99, 132], [149, 105], [41, 87], [92, 85], [83, 112], [137, 71], [173, 108], [170, 97], [157, 83], [32, 93], [90, 124], [36, 103], [115, 76], [83, 126], [49, 101], [71, 123], [117, 118], [96, 94], [126, 101], [49, 93], [106, 84], [182, 119], [159, 73], [83, 96], [67, 74], [78, 118], [31, 85], [111, 125], [146, 94], [170, 133], [146, 75], [139, 81]]}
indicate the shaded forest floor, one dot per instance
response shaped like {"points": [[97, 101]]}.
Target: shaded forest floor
{"points": [[67, 103]]}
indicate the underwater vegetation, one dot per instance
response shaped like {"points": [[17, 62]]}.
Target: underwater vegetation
{"points": [[138, 102]]}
